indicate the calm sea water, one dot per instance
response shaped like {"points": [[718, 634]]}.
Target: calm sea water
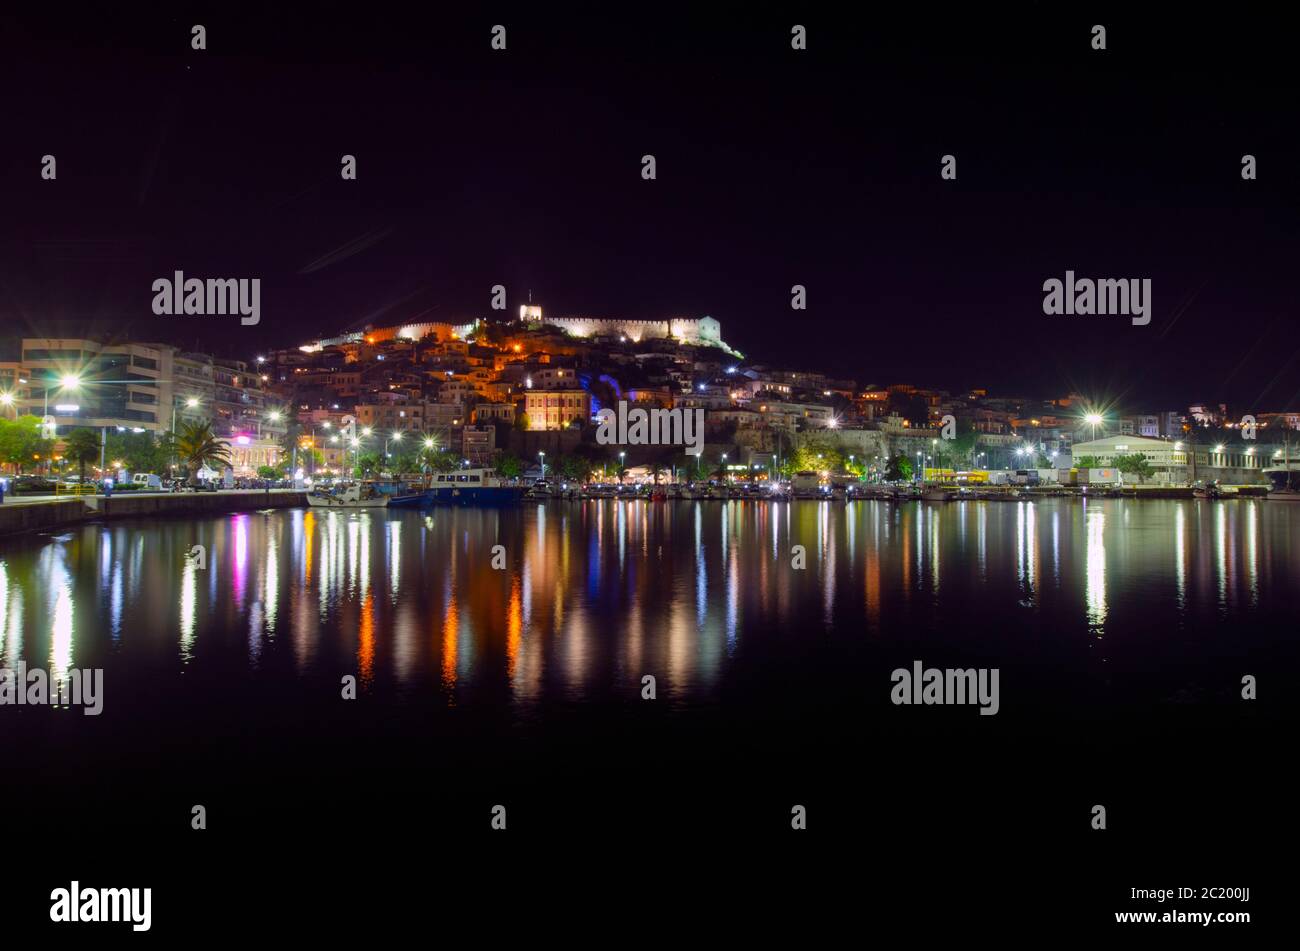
{"points": [[1110, 621]]}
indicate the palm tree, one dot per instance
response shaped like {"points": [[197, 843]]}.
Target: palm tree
{"points": [[198, 446], [82, 446]]}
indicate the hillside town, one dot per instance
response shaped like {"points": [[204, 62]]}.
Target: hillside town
{"points": [[523, 394]]}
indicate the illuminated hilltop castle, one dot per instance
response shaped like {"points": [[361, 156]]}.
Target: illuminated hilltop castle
{"points": [[699, 331]]}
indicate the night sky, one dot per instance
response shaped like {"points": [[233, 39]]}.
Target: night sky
{"points": [[775, 168]]}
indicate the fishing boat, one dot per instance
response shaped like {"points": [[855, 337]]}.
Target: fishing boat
{"points": [[1211, 490], [809, 485], [356, 496], [937, 493]]}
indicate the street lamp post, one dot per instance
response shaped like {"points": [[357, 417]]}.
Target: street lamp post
{"points": [[397, 437]]}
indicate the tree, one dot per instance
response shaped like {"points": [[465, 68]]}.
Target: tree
{"points": [[521, 421], [509, 465], [293, 431], [899, 468], [966, 439], [439, 460], [1087, 462], [1134, 464], [662, 460], [82, 446], [270, 473], [367, 466], [141, 452], [197, 446], [815, 455], [22, 442], [405, 462], [573, 468]]}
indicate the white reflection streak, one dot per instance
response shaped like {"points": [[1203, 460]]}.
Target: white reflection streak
{"points": [[354, 529], [1180, 554], [701, 570], [189, 592], [115, 603], [918, 514], [1096, 569], [14, 642], [364, 531], [934, 517], [61, 630], [1221, 550], [733, 601], [395, 556], [828, 576], [4, 612], [271, 593], [1252, 550], [1056, 546]]}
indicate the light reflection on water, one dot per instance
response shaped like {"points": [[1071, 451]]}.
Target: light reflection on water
{"points": [[594, 594]]}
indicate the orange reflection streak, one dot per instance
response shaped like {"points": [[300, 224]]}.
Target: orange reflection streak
{"points": [[450, 627], [366, 645], [872, 586], [308, 536], [514, 626]]}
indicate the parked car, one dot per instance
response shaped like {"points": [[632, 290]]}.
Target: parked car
{"points": [[31, 484], [147, 481]]}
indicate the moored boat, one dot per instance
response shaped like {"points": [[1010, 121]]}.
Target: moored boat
{"points": [[1284, 483], [355, 496], [480, 486]]}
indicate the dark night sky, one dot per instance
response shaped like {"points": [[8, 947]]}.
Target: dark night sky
{"points": [[775, 168]]}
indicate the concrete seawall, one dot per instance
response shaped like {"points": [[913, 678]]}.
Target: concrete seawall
{"points": [[16, 519]]}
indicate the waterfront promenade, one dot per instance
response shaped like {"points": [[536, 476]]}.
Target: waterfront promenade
{"points": [[36, 513]]}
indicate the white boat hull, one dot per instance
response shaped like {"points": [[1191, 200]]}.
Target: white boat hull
{"points": [[325, 501]]}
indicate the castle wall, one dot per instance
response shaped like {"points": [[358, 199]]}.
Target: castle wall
{"points": [[702, 329]]}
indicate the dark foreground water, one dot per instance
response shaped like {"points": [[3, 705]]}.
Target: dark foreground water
{"points": [[1121, 631]]}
